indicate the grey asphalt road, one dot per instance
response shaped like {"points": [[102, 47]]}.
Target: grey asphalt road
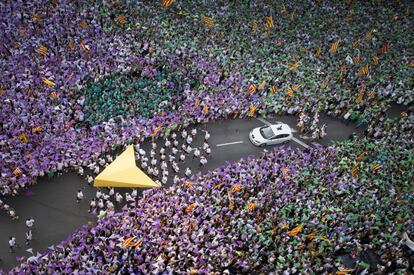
{"points": [[52, 202]]}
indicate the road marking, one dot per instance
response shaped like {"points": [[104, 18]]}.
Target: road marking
{"points": [[264, 121], [229, 143], [269, 124], [304, 137], [300, 142]]}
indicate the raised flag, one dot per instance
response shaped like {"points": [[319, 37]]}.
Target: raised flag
{"points": [[318, 52], [167, 3], [355, 44], [231, 202], [53, 95], [368, 36], [36, 18], [196, 103], [205, 109], [293, 67], [357, 59], [384, 48], [363, 70], [42, 50], [17, 171], [251, 206], [344, 271], [290, 91], [285, 171], [189, 208], [376, 167], [83, 46], [70, 45], [208, 21], [261, 86], [371, 94], [121, 19], [292, 16], [334, 47], [325, 84], [273, 89], [236, 188], [252, 110], [37, 129], [375, 59], [254, 25], [83, 24], [361, 156], [296, 87], [154, 133], [269, 19], [252, 88], [295, 231], [355, 171], [23, 137], [360, 97], [48, 82]]}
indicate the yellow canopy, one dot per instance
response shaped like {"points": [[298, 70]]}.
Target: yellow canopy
{"points": [[123, 172]]}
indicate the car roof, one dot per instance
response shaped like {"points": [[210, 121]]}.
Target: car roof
{"points": [[281, 129]]}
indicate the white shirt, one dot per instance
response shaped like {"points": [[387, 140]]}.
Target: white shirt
{"points": [[80, 195], [188, 172], [196, 152], [29, 223], [12, 241]]}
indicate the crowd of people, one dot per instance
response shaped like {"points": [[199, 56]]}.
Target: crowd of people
{"points": [[81, 79]]}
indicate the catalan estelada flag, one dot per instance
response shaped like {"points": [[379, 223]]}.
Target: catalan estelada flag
{"points": [[334, 47], [17, 172], [205, 109], [48, 82], [318, 52], [269, 19], [42, 50], [207, 20], [363, 70], [252, 110], [357, 59], [23, 137], [376, 167], [355, 171], [154, 133], [167, 3], [254, 25], [384, 48], [375, 59], [273, 89], [371, 94], [121, 19], [355, 44], [293, 67], [252, 89], [36, 18]]}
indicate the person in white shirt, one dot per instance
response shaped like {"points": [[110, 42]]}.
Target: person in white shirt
{"points": [[205, 145], [141, 152], [184, 134], [155, 172], [194, 132], [174, 151], [167, 143], [101, 204], [118, 198], [182, 157], [79, 196], [29, 237], [189, 140], [98, 194], [175, 143], [164, 180], [162, 151], [12, 243], [109, 205], [153, 145], [171, 158], [196, 153], [153, 161], [92, 206], [152, 153], [203, 161], [29, 223], [144, 165], [176, 179], [163, 165], [207, 136], [111, 192], [174, 135], [188, 172], [208, 151]]}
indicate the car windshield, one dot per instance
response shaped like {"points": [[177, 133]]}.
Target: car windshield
{"points": [[267, 132]]}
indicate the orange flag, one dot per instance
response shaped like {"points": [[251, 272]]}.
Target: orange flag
{"points": [[252, 89], [154, 133], [252, 110], [334, 47], [295, 231]]}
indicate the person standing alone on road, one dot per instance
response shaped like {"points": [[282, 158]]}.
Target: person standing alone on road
{"points": [[79, 196], [12, 243]]}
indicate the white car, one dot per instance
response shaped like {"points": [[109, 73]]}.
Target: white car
{"points": [[271, 134]]}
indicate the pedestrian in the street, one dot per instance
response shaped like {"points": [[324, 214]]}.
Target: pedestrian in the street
{"points": [[12, 244], [79, 196], [188, 172], [29, 223], [29, 237]]}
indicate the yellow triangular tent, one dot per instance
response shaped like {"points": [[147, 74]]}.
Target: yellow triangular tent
{"points": [[123, 172]]}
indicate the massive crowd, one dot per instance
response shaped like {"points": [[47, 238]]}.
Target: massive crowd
{"points": [[79, 79]]}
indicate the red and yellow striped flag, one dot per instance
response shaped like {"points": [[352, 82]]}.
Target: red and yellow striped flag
{"points": [[129, 242], [36, 18], [334, 47], [189, 208], [53, 95], [368, 36], [70, 44], [207, 20], [375, 59], [251, 206], [376, 167], [344, 271], [17, 172], [155, 132], [83, 24], [325, 84], [290, 91], [360, 97], [355, 44], [252, 110], [37, 129], [273, 89], [83, 46], [384, 48], [357, 59], [355, 171], [196, 103], [252, 89], [121, 19], [254, 25], [296, 87], [48, 82], [318, 52], [261, 86], [361, 156], [42, 50], [371, 94], [23, 137], [295, 231], [167, 3], [293, 67], [363, 70], [231, 201], [269, 22], [205, 109], [236, 188]]}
